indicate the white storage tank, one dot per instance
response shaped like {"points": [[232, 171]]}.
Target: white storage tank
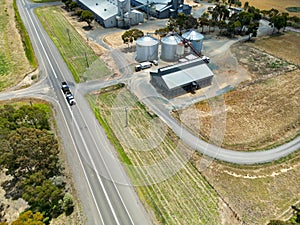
{"points": [[146, 49], [195, 38], [168, 47], [180, 49]]}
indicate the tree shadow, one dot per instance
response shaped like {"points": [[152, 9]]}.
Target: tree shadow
{"points": [[129, 49], [11, 189], [87, 28]]}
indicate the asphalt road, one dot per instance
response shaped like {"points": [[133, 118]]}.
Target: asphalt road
{"points": [[104, 188], [157, 104], [106, 193]]}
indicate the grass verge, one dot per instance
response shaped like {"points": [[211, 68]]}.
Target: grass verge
{"points": [[79, 57], [25, 38], [14, 63], [158, 164]]}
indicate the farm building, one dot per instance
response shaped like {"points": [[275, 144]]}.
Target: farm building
{"points": [[175, 80], [112, 13], [162, 8]]}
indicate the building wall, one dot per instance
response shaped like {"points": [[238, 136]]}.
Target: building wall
{"points": [[159, 84]]}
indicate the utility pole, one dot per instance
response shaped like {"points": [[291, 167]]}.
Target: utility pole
{"points": [[86, 59], [126, 116], [68, 31]]}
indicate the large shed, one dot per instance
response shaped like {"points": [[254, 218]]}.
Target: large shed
{"points": [[179, 79], [162, 8], [112, 13]]}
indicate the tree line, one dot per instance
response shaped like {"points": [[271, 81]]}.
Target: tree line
{"points": [[29, 153], [230, 23], [84, 15]]}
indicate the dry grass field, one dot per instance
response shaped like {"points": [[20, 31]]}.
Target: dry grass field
{"points": [[13, 62], [263, 112], [258, 193], [276, 4]]}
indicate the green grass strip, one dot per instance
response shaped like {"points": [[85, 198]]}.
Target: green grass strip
{"points": [[76, 52], [25, 38], [111, 136]]}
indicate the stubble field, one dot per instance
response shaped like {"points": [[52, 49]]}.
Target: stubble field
{"points": [[276, 4]]}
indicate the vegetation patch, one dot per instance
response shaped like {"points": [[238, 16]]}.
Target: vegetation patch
{"points": [[13, 62], [80, 58], [4, 66], [25, 38], [167, 183], [293, 9], [29, 155]]}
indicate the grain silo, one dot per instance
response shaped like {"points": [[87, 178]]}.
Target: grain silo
{"points": [[146, 48], [195, 38], [168, 47]]}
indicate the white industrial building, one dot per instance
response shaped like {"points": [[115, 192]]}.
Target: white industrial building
{"points": [[162, 8], [112, 13], [175, 80]]}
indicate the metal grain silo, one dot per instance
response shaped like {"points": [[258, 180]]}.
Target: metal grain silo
{"points": [[195, 38], [146, 49], [168, 47]]}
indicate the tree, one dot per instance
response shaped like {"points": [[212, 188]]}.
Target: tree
{"points": [[131, 35], [28, 150], [172, 25], [278, 22], [212, 24], [252, 30], [190, 23], [203, 22], [29, 218], [67, 204], [44, 198], [222, 25], [67, 3], [231, 28], [73, 5], [87, 16], [162, 32], [31, 116]]}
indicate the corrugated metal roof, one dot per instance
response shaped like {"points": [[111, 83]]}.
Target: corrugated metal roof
{"points": [[159, 4], [171, 40], [187, 75], [147, 40], [192, 35], [104, 9]]}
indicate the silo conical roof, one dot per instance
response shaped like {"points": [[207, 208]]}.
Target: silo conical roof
{"points": [[193, 35], [171, 40], [147, 40]]}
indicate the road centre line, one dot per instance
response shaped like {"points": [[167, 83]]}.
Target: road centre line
{"points": [[105, 165], [110, 176], [67, 124]]}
